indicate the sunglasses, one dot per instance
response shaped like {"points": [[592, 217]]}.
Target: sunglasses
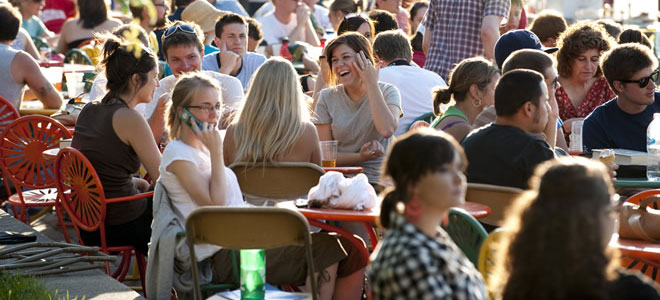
{"points": [[183, 27], [643, 82]]}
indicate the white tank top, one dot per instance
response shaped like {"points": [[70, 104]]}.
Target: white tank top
{"points": [[9, 89]]}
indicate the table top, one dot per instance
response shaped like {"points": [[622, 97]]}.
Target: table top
{"points": [[344, 170], [92, 284], [636, 183], [637, 248]]}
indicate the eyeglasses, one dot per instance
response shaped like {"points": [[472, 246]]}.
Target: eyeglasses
{"points": [[643, 82], [207, 108], [182, 27]]}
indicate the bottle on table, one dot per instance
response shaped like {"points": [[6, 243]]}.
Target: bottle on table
{"points": [[653, 149], [253, 274]]}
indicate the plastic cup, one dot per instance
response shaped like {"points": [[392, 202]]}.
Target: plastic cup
{"points": [[54, 75], [328, 154], [576, 137]]}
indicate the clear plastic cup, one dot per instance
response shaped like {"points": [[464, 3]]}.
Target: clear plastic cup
{"points": [[328, 154]]}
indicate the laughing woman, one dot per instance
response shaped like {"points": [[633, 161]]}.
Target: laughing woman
{"points": [[360, 113]]}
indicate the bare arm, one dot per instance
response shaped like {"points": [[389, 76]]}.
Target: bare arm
{"points": [[228, 146], [157, 119], [132, 129], [304, 30], [62, 47], [30, 48], [27, 71], [489, 34], [426, 41], [204, 193]]}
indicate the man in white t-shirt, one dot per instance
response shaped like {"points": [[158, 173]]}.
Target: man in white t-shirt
{"points": [[183, 50], [231, 33], [290, 19], [393, 50]]}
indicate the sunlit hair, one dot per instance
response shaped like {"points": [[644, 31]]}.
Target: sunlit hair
{"points": [[555, 244], [346, 6], [121, 61], [577, 39], [475, 70], [548, 24], [405, 168], [183, 38], [185, 91], [354, 23], [415, 7], [272, 116], [634, 36], [10, 22], [353, 40]]}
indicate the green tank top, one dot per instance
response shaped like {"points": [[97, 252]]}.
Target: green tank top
{"points": [[451, 111]]}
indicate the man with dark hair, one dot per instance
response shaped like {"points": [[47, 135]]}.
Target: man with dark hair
{"points": [[383, 20], [233, 59], [393, 51], [18, 67], [255, 35], [183, 50], [612, 28], [631, 71], [505, 152], [548, 25]]}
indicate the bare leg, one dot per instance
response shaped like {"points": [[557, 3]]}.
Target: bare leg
{"points": [[327, 287], [350, 287]]}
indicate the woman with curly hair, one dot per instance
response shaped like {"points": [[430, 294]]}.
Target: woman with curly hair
{"points": [[583, 86], [557, 243]]}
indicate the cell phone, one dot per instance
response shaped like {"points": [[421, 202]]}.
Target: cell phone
{"points": [[187, 117], [302, 203]]}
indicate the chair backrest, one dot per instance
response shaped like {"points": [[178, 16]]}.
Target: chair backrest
{"points": [[80, 191], [426, 117], [8, 113], [284, 180], [76, 56], [486, 262], [466, 232], [21, 147], [498, 198], [248, 228]]}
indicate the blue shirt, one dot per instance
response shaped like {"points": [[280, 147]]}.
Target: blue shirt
{"points": [[610, 127], [232, 6]]}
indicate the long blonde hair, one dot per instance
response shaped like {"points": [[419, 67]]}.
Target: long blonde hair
{"points": [[182, 95], [272, 116]]}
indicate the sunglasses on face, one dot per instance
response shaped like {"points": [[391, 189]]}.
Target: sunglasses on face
{"points": [[183, 27], [643, 82]]}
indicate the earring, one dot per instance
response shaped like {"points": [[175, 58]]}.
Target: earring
{"points": [[413, 209], [476, 102]]}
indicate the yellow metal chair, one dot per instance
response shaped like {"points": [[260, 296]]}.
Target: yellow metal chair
{"points": [[248, 228], [486, 261], [279, 181], [498, 198]]}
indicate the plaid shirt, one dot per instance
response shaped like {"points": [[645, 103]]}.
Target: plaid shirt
{"points": [[456, 27], [408, 264]]}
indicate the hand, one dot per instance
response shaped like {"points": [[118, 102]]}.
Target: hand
{"points": [[209, 135], [162, 102], [302, 13], [228, 59], [365, 69], [141, 184], [325, 70], [371, 150]]}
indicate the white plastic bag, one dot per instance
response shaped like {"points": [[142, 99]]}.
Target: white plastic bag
{"points": [[335, 191]]}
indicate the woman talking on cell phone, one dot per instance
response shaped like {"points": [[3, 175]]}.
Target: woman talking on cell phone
{"points": [[360, 112]]}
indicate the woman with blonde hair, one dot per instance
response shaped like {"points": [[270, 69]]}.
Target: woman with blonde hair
{"points": [[471, 88], [556, 243], [273, 123]]}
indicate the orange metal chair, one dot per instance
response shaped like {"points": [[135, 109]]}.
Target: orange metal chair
{"points": [[634, 261], [21, 147], [8, 114], [82, 196]]}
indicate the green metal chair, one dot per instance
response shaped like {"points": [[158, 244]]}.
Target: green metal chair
{"points": [[467, 233], [76, 56]]}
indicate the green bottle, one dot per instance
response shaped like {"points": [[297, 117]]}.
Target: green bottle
{"points": [[253, 274]]}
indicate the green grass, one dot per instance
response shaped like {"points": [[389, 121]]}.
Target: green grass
{"points": [[17, 287]]}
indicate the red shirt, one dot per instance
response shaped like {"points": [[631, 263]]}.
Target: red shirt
{"points": [[55, 12], [598, 94]]}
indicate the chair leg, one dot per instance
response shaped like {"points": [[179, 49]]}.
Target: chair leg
{"points": [[121, 271], [142, 268]]}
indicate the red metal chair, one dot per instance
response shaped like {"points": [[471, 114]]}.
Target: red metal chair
{"points": [[8, 114], [82, 196], [640, 255], [21, 147]]}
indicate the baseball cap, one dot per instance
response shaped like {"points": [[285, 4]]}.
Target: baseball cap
{"points": [[516, 40]]}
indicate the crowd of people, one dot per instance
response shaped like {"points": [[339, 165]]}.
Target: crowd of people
{"points": [[424, 96]]}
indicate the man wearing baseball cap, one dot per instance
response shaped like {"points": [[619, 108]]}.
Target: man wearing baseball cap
{"points": [[516, 40]]}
